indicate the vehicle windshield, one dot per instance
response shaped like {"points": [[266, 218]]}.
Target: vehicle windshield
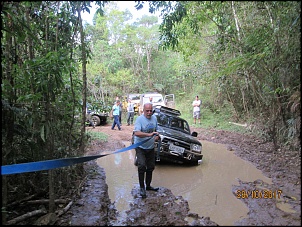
{"points": [[134, 96], [155, 99], [173, 122]]}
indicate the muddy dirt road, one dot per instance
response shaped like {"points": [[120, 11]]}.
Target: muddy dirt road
{"points": [[94, 207]]}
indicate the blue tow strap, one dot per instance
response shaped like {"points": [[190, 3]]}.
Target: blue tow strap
{"points": [[58, 163]]}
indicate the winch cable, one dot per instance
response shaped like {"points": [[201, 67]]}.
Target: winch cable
{"points": [[58, 163]]}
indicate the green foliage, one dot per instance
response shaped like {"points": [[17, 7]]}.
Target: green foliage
{"points": [[249, 61], [96, 136], [212, 116], [99, 106], [241, 64], [41, 88]]}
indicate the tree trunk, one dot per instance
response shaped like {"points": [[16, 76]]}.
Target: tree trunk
{"points": [[71, 87], [84, 90], [48, 133], [8, 115], [148, 51]]}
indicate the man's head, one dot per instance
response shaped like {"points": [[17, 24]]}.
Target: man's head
{"points": [[196, 97], [118, 102], [150, 99], [148, 109]]}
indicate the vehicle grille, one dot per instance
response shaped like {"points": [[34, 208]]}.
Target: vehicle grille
{"points": [[166, 142]]}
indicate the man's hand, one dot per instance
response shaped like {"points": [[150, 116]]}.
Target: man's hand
{"points": [[154, 134]]}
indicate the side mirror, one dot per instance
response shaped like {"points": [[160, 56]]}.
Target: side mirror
{"points": [[194, 134]]}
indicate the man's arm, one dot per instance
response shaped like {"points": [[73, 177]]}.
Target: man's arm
{"points": [[145, 134]]}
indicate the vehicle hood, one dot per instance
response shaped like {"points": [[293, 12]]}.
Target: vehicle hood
{"points": [[177, 135]]}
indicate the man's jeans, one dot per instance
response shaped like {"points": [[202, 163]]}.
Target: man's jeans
{"points": [[116, 121], [130, 117]]}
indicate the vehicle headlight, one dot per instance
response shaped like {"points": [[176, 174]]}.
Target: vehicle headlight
{"points": [[196, 148]]}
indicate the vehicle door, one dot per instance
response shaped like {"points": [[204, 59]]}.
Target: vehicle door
{"points": [[170, 101]]}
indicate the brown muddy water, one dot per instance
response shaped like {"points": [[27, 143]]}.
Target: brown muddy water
{"points": [[207, 187]]}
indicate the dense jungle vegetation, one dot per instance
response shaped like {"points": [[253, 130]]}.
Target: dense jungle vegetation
{"points": [[241, 58]]}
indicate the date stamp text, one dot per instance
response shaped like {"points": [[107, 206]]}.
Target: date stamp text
{"points": [[258, 194]]}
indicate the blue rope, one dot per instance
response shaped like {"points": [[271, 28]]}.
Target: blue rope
{"points": [[58, 163]]}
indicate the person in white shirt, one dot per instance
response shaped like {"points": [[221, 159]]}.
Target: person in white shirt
{"points": [[196, 109], [130, 114]]}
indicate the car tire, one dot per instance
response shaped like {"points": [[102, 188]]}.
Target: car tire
{"points": [[95, 120]]}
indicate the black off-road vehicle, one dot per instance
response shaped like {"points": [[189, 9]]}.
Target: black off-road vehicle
{"points": [[96, 116], [177, 144]]}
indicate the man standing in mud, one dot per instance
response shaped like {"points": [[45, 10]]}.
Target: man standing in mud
{"points": [[145, 127]]}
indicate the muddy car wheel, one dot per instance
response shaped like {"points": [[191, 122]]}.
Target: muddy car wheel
{"points": [[95, 120]]}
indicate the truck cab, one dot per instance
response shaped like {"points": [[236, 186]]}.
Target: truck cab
{"points": [[157, 100]]}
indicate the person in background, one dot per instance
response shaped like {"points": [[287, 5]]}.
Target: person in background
{"points": [[121, 110], [145, 127], [130, 110], [115, 113], [150, 99], [196, 109]]}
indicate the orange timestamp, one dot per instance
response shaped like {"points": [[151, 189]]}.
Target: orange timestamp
{"points": [[258, 194]]}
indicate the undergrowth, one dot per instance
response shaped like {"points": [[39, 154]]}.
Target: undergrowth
{"points": [[96, 136], [221, 118]]}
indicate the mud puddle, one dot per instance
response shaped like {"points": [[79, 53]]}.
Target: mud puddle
{"points": [[207, 187]]}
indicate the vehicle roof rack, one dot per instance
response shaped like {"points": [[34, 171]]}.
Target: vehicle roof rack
{"points": [[166, 110]]}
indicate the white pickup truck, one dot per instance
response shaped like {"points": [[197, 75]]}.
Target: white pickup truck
{"points": [[157, 100]]}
